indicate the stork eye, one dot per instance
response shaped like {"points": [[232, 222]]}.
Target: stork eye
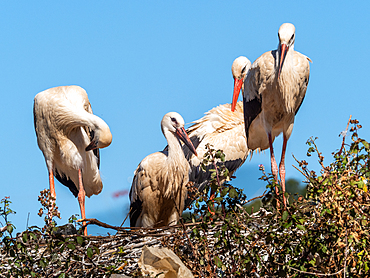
{"points": [[243, 70], [174, 120]]}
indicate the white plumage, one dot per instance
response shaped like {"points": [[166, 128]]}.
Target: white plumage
{"points": [[274, 90], [70, 136], [158, 190], [223, 128]]}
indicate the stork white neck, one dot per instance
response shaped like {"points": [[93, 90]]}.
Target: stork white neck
{"points": [[174, 146]]}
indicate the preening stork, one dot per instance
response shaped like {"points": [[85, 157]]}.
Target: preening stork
{"points": [[274, 90], [70, 135], [158, 190], [224, 130]]}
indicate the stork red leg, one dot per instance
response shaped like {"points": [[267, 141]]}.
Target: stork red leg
{"points": [[282, 167], [52, 191], [81, 199], [51, 183], [274, 168]]}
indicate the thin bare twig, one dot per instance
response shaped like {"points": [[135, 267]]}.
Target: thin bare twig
{"points": [[344, 136], [258, 197], [126, 217]]}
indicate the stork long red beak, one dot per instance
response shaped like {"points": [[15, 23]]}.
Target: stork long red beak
{"points": [[181, 133], [237, 87], [283, 51]]}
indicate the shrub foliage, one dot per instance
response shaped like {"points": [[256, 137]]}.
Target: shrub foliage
{"points": [[324, 234]]}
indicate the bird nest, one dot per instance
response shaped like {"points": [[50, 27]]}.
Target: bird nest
{"points": [[33, 254]]}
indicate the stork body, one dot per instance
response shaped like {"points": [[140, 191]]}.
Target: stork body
{"points": [[70, 136], [158, 190], [274, 90], [224, 130]]}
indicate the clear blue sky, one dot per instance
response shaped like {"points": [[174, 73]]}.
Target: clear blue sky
{"points": [[138, 60]]}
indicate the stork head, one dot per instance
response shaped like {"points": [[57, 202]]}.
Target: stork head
{"points": [[286, 41], [239, 69], [174, 123], [102, 135]]}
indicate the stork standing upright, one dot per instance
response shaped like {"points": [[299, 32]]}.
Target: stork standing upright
{"points": [[273, 92], [158, 190], [69, 136], [222, 129]]}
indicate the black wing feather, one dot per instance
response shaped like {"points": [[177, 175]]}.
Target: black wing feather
{"points": [[299, 106], [63, 179], [135, 210], [251, 110]]}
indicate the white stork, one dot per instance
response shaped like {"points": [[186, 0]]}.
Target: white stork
{"points": [[274, 90], [70, 135], [158, 190], [224, 130]]}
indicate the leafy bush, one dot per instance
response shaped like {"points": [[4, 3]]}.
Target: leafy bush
{"points": [[46, 252], [5, 211], [325, 233]]}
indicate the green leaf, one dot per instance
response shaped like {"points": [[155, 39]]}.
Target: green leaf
{"points": [[301, 227], [224, 191], [24, 237], [43, 262], [9, 228], [218, 199], [232, 193], [71, 246], [287, 226], [97, 251], [218, 262], [89, 252], [366, 144], [285, 215], [80, 240], [62, 275]]}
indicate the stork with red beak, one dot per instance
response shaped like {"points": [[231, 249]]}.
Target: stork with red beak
{"points": [[274, 89], [158, 190]]}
